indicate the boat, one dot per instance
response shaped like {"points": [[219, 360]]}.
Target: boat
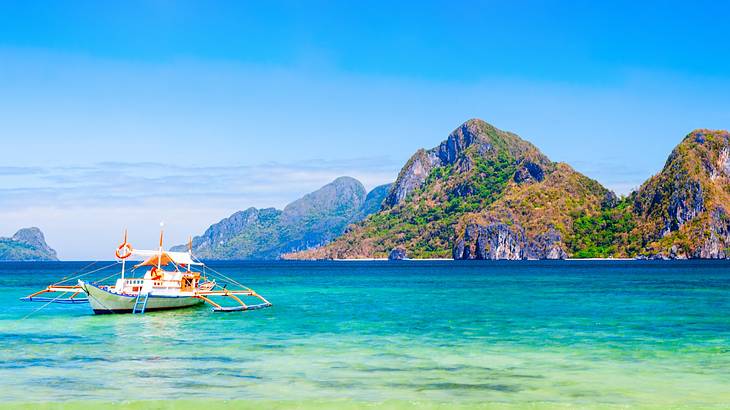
{"points": [[162, 280]]}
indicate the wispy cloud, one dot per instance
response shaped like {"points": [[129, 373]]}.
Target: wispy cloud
{"points": [[135, 183], [83, 208], [12, 171]]}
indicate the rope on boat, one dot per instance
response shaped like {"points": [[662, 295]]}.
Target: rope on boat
{"points": [[78, 271], [228, 278], [243, 306], [66, 279], [49, 302], [107, 277]]}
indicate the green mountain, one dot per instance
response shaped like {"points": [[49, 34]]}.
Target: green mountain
{"points": [[684, 211], [484, 193], [28, 244], [311, 221], [374, 200]]}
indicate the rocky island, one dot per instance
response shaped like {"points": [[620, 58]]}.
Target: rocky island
{"points": [[311, 221], [28, 244], [484, 193]]}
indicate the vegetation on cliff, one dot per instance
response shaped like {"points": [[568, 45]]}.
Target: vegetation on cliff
{"points": [[487, 194], [479, 175], [684, 211]]}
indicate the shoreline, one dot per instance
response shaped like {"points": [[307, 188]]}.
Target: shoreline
{"points": [[451, 259], [601, 259], [386, 259], [515, 260]]}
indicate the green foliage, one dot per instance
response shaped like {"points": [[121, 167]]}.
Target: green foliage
{"points": [[439, 173], [492, 176], [426, 221], [477, 188], [606, 234]]}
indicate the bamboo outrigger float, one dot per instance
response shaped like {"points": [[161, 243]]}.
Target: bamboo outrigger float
{"points": [[172, 280]]}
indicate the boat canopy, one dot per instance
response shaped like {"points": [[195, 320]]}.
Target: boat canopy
{"points": [[152, 258]]}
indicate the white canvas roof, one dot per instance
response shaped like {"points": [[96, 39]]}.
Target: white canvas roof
{"points": [[178, 258]]}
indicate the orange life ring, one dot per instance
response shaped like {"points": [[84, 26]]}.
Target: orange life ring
{"points": [[128, 251], [155, 273]]}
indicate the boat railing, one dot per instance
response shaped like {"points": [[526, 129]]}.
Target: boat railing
{"points": [[133, 281], [156, 282]]}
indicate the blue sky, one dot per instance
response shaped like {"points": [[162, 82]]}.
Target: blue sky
{"points": [[115, 115]]}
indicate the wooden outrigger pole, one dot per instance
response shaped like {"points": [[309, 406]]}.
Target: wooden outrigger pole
{"points": [[60, 299], [75, 290], [205, 296]]}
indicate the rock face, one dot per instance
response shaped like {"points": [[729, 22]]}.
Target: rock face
{"points": [[256, 225], [28, 244], [682, 212], [717, 245], [320, 216], [472, 182], [374, 201], [397, 254], [499, 241], [529, 172], [484, 193], [453, 152], [412, 176], [311, 221]]}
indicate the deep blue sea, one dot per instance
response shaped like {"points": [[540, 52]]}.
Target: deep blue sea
{"points": [[401, 334]]}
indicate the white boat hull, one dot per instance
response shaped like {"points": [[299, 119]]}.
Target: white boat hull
{"points": [[103, 301]]}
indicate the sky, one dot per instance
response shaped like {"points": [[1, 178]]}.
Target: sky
{"points": [[121, 115]]}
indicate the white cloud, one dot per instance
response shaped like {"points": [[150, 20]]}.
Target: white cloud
{"points": [[82, 209]]}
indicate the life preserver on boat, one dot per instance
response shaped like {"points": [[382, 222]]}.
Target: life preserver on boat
{"points": [[155, 273], [127, 248]]}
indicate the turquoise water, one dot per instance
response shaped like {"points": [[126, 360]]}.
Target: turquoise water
{"points": [[588, 333]]}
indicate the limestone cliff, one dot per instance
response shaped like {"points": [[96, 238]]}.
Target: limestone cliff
{"points": [[483, 193], [684, 211], [28, 244]]}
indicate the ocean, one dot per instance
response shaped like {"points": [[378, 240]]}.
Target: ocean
{"points": [[411, 334]]}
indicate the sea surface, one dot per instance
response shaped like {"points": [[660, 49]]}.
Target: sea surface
{"points": [[413, 334]]}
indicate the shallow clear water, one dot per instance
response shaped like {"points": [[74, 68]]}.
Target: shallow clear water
{"points": [[547, 333]]}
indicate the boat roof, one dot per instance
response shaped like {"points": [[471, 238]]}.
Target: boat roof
{"points": [[152, 257]]}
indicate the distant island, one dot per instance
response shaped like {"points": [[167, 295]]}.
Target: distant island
{"points": [[28, 244], [309, 222], [484, 193]]}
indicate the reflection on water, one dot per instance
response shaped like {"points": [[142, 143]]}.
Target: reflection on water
{"points": [[620, 333]]}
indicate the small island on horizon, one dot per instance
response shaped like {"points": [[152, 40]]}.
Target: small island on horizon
{"points": [[28, 244]]}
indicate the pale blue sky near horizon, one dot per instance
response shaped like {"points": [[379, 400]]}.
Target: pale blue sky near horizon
{"points": [[123, 115]]}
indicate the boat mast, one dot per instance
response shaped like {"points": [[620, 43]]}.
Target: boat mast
{"points": [[159, 255], [124, 259], [190, 250]]}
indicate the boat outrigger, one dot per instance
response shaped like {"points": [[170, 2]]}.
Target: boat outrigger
{"points": [[171, 280]]}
